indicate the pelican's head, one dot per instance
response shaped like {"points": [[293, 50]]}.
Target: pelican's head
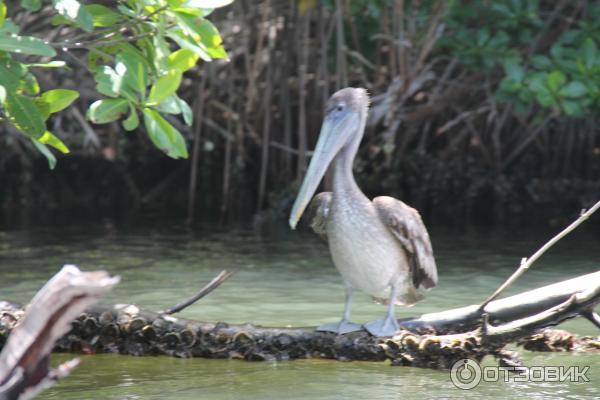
{"points": [[343, 126]]}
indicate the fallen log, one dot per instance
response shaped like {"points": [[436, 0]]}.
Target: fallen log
{"points": [[501, 311], [434, 340]]}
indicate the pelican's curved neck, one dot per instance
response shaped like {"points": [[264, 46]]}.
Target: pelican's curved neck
{"points": [[343, 177]]}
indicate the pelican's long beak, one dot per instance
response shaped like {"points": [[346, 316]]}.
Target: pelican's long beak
{"points": [[332, 138]]}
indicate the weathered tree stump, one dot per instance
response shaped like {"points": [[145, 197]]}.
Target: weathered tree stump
{"points": [[24, 369]]}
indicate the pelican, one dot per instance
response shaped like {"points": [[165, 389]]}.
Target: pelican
{"points": [[381, 246]]}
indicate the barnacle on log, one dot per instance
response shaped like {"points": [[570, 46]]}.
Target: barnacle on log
{"points": [[550, 340]]}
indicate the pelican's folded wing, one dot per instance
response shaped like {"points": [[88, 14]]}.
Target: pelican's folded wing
{"points": [[406, 225], [317, 213]]}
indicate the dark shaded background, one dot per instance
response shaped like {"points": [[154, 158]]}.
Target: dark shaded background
{"points": [[444, 136]]}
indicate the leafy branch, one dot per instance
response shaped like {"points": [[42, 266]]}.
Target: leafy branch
{"points": [[137, 52]]}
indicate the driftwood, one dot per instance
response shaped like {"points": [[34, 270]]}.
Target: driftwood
{"points": [[24, 359], [434, 340]]}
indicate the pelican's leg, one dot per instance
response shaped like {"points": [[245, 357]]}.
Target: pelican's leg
{"points": [[389, 325], [344, 326]]}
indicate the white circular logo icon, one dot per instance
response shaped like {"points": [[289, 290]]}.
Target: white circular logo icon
{"points": [[465, 374]]}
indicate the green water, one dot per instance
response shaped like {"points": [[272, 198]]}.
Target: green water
{"points": [[282, 279]]}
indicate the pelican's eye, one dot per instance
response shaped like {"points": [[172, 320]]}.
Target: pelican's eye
{"points": [[339, 108]]}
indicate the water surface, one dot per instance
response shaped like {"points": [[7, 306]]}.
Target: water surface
{"points": [[282, 279]]}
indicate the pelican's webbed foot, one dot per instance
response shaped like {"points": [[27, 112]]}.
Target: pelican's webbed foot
{"points": [[341, 328], [382, 327]]}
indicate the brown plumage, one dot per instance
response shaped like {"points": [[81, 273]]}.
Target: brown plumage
{"points": [[379, 246]]}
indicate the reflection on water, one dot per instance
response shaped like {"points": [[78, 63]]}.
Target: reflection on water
{"points": [[285, 279]]}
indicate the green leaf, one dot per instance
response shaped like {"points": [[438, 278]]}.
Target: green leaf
{"points": [[483, 35], [169, 105], [208, 3], [199, 33], [210, 37], [555, 80], [132, 122], [32, 5], [107, 110], [2, 94], [590, 52], [51, 140], [164, 87], [103, 16], [188, 116], [127, 11], [74, 11], [9, 27], [108, 82], [574, 89], [175, 3], [120, 81], [202, 34], [134, 69], [24, 114], [25, 45], [545, 99], [59, 99], [51, 64], [43, 108], [159, 47], [2, 12], [46, 153], [537, 82], [141, 79], [60, 20], [127, 83], [541, 62], [186, 41], [182, 60], [557, 51], [514, 70], [196, 12], [11, 74], [174, 105], [30, 84], [164, 135], [572, 107]]}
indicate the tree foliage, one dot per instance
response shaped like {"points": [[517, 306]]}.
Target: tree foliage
{"points": [[136, 51], [560, 75], [478, 108]]}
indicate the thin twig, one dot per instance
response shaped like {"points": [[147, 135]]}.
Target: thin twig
{"points": [[290, 150], [78, 42], [527, 262], [523, 145], [90, 133], [460, 117], [212, 285]]}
